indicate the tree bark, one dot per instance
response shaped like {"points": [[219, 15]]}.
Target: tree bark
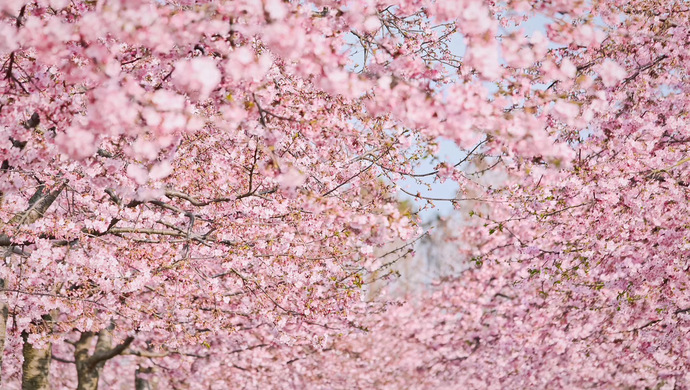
{"points": [[39, 204], [141, 382], [36, 366], [87, 378], [4, 314], [89, 367]]}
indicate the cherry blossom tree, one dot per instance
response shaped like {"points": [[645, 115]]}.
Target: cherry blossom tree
{"points": [[580, 276], [194, 193]]}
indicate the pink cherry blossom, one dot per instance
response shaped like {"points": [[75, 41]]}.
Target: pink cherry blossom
{"points": [[199, 74], [204, 194], [611, 73]]}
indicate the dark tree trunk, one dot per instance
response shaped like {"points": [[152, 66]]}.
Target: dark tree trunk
{"points": [[141, 382], [87, 377], [4, 314], [89, 367]]}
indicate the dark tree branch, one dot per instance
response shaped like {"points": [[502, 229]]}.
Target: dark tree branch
{"points": [[102, 356], [61, 360]]}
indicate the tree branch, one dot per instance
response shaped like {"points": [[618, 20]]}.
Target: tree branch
{"points": [[102, 356], [61, 360]]}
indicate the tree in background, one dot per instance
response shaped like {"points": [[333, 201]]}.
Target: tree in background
{"points": [[193, 192]]}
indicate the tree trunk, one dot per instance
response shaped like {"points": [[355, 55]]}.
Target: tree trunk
{"points": [[141, 382], [87, 378], [4, 314], [36, 367], [89, 367]]}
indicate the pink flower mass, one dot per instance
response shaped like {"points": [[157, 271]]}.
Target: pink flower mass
{"points": [[204, 194]]}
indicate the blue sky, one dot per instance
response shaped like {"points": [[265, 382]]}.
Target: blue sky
{"points": [[449, 152]]}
